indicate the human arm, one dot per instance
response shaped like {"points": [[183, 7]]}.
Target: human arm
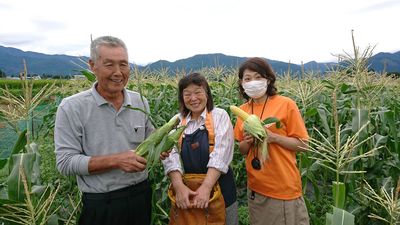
{"points": [[126, 161], [222, 155], [70, 137], [295, 137], [68, 133], [173, 168], [289, 143]]}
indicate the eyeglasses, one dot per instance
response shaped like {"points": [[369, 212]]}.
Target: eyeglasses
{"points": [[197, 93]]}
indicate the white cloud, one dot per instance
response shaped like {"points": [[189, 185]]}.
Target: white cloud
{"points": [[286, 30]]}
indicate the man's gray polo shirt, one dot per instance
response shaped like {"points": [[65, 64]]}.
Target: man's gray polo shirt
{"points": [[87, 125]]}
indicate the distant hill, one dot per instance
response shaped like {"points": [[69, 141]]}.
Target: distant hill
{"points": [[38, 63], [11, 62], [382, 61], [197, 62], [212, 60]]}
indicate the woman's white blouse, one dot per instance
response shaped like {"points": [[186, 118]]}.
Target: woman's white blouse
{"points": [[222, 155]]}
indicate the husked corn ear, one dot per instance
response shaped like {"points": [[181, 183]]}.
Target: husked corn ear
{"points": [[239, 112]]}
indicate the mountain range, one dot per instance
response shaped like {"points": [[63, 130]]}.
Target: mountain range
{"points": [[11, 63]]}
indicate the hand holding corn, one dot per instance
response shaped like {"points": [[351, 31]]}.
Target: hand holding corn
{"points": [[129, 162], [255, 127]]}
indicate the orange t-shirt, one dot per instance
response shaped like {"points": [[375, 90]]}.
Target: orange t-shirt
{"points": [[279, 178]]}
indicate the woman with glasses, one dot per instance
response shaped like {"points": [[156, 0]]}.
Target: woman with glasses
{"points": [[206, 149]]}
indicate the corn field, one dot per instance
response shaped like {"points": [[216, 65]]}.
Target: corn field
{"points": [[352, 116]]}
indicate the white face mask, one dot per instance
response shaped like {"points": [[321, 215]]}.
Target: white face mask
{"points": [[255, 88]]}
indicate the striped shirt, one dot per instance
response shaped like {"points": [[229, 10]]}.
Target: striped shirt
{"points": [[222, 155]]}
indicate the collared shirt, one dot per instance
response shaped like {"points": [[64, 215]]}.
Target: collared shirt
{"points": [[87, 125], [222, 155]]}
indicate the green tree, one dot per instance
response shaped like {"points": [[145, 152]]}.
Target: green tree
{"points": [[2, 74]]}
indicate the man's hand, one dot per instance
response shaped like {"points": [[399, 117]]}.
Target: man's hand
{"points": [[127, 161], [165, 155], [130, 162]]}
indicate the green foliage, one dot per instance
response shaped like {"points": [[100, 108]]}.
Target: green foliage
{"points": [[2, 74], [68, 198], [339, 217], [338, 103], [243, 214], [37, 84]]}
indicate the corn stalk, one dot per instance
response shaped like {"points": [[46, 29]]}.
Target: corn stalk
{"points": [[22, 107], [338, 157], [32, 211], [306, 92]]}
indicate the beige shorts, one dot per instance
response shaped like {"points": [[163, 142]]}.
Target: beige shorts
{"points": [[269, 211]]}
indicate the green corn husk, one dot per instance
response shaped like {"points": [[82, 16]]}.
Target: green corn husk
{"points": [[149, 144], [166, 144], [255, 128]]}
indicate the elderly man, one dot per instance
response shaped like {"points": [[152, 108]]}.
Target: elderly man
{"points": [[95, 135]]}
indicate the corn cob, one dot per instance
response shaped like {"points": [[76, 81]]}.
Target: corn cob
{"points": [[252, 124], [149, 144], [239, 112], [255, 127]]}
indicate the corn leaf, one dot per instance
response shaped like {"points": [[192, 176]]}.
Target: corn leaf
{"points": [[339, 194], [272, 120], [14, 180], [89, 75], [342, 217]]}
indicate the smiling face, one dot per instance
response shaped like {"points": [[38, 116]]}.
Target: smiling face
{"points": [[111, 69], [195, 99]]}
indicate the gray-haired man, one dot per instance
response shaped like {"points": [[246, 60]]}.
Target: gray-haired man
{"points": [[94, 136]]}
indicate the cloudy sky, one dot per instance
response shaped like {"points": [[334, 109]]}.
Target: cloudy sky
{"points": [[285, 30]]}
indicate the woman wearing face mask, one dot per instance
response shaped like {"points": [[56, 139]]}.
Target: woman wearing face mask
{"points": [[274, 189]]}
